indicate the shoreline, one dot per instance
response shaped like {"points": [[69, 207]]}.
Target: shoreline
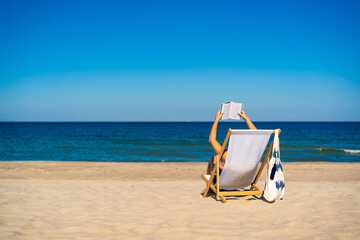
{"points": [[309, 171]]}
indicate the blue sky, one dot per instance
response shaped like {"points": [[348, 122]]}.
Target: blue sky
{"points": [[179, 60]]}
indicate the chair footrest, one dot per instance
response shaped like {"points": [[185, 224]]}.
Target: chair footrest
{"points": [[240, 193]]}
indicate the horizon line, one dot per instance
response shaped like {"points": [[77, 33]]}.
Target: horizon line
{"points": [[234, 121]]}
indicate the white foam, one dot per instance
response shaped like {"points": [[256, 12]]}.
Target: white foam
{"points": [[351, 151], [321, 148]]}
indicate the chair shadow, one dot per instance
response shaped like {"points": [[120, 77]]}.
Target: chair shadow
{"points": [[236, 198]]}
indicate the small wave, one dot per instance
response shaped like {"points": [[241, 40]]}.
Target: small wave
{"points": [[338, 150], [352, 151]]}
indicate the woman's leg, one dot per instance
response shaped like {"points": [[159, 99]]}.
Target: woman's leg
{"points": [[211, 165]]}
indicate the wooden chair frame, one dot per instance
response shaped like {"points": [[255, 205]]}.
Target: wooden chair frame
{"points": [[254, 190]]}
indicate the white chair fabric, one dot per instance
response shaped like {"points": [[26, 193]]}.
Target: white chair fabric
{"points": [[245, 150]]}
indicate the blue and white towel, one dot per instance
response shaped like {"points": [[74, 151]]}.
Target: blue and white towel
{"points": [[275, 182]]}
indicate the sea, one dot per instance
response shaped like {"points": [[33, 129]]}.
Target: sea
{"points": [[168, 141]]}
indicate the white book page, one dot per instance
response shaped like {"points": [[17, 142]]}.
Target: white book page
{"points": [[231, 110], [225, 108]]}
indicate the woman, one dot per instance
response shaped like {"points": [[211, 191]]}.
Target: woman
{"points": [[216, 145]]}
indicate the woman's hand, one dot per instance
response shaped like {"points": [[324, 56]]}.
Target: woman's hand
{"points": [[243, 115], [218, 116]]}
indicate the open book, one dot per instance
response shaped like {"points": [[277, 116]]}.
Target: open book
{"points": [[231, 110]]}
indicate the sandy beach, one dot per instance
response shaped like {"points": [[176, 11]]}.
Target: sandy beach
{"points": [[88, 200]]}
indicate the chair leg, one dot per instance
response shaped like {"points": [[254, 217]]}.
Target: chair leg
{"points": [[223, 199], [206, 190], [207, 186]]}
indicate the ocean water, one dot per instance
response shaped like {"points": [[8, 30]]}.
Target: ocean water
{"points": [[168, 141]]}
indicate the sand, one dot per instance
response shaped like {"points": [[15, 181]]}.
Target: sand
{"points": [[87, 200]]}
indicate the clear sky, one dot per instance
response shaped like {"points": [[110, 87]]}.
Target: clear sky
{"points": [[179, 60]]}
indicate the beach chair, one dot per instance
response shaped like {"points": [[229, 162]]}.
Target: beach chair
{"points": [[243, 164]]}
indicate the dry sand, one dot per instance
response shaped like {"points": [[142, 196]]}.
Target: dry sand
{"points": [[73, 200]]}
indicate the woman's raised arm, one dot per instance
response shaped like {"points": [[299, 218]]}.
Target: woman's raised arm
{"points": [[212, 138], [247, 120]]}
